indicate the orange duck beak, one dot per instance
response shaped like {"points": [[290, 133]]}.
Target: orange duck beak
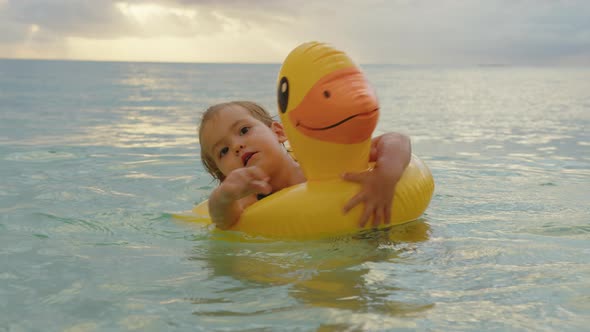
{"points": [[340, 108]]}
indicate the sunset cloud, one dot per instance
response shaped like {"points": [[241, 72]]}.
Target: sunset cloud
{"points": [[372, 31]]}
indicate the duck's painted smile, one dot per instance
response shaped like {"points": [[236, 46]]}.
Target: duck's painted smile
{"points": [[359, 115]]}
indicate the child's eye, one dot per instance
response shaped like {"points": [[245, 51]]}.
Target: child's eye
{"points": [[244, 130], [223, 151]]}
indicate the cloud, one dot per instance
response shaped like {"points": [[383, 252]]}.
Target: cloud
{"points": [[380, 31], [91, 18], [450, 31]]}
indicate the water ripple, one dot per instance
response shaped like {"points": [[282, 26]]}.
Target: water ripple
{"points": [[75, 225], [40, 156]]}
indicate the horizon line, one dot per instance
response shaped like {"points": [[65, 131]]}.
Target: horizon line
{"points": [[482, 65]]}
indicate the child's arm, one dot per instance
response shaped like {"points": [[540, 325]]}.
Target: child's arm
{"points": [[391, 153], [234, 194]]}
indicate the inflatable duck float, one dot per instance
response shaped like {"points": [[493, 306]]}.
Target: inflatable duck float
{"points": [[329, 112]]}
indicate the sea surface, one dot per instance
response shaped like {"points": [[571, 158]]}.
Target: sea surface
{"points": [[96, 157]]}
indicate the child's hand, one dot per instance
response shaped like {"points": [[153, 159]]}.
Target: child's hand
{"points": [[243, 182], [391, 153], [377, 190], [227, 202]]}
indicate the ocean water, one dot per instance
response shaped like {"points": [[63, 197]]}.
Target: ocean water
{"points": [[96, 157]]}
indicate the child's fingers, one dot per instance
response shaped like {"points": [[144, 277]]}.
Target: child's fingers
{"points": [[260, 187], [377, 217], [354, 201], [258, 181], [387, 214], [355, 177], [257, 173], [365, 217]]}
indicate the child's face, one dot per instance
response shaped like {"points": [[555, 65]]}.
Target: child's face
{"points": [[235, 139]]}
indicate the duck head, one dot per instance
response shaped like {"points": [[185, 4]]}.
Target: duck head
{"points": [[328, 109]]}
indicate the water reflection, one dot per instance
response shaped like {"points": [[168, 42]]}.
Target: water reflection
{"points": [[140, 127], [349, 273]]}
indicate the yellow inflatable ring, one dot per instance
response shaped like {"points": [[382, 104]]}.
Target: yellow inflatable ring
{"points": [[329, 112], [314, 210]]}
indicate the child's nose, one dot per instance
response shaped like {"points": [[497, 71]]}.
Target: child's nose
{"points": [[239, 147]]}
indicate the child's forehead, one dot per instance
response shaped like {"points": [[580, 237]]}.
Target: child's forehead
{"points": [[232, 112], [222, 121], [230, 115]]}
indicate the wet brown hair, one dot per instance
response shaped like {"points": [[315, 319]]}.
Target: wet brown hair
{"points": [[257, 111]]}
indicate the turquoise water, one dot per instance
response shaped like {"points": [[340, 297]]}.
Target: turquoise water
{"points": [[94, 158]]}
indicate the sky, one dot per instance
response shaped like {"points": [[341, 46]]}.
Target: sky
{"points": [[407, 32]]}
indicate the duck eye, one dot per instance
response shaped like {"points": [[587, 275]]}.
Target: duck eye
{"points": [[326, 93], [283, 94]]}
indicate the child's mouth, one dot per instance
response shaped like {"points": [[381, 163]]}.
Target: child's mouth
{"points": [[246, 157]]}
